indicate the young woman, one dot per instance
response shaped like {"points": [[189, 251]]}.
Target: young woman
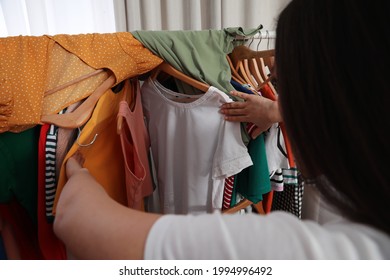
{"points": [[332, 59]]}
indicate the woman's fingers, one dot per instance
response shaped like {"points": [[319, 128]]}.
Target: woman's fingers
{"points": [[71, 167], [74, 164], [234, 108], [232, 112], [238, 118], [240, 94]]}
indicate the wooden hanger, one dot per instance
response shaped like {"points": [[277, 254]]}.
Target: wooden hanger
{"points": [[244, 204], [254, 69], [240, 68], [266, 69], [79, 79], [256, 76], [256, 66], [241, 205], [82, 114], [266, 65], [243, 52], [259, 207], [269, 61], [168, 69], [244, 68], [235, 76]]}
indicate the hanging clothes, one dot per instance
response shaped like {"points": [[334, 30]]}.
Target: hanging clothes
{"points": [[290, 199], [253, 182], [24, 232], [18, 169], [50, 246], [193, 147], [32, 66], [50, 185], [65, 139], [100, 145], [278, 164], [135, 147], [3, 253], [199, 54]]}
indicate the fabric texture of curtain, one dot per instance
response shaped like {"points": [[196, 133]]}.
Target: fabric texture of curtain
{"points": [[196, 14], [38, 17], [133, 15]]}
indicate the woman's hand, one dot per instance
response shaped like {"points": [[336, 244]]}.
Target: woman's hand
{"points": [[94, 226], [256, 109]]}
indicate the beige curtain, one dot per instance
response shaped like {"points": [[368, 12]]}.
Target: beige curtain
{"points": [[37, 17], [134, 15], [196, 14]]}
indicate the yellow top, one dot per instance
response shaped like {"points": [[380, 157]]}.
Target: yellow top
{"points": [[33, 65]]}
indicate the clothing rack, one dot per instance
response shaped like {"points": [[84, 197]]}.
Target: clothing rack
{"points": [[266, 34], [263, 35]]}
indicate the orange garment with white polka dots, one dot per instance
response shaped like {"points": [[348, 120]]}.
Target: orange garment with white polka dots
{"points": [[31, 66]]}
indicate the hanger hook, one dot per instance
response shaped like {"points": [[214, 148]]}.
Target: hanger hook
{"points": [[253, 38], [260, 39], [85, 145], [268, 39]]}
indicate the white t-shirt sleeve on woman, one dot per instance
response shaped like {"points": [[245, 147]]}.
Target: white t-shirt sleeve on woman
{"points": [[278, 235]]}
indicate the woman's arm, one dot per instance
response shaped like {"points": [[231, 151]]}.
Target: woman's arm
{"points": [[94, 226]]}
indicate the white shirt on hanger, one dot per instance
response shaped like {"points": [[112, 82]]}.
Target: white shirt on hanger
{"points": [[194, 148]]}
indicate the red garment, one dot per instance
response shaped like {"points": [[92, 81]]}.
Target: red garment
{"points": [[23, 229], [267, 92], [51, 247], [227, 192]]}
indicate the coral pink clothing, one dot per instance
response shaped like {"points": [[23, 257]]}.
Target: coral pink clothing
{"points": [[135, 147]]}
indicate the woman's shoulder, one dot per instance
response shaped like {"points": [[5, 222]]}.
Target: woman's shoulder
{"points": [[278, 235]]}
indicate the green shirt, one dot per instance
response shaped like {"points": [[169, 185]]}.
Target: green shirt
{"points": [[200, 54], [253, 181], [19, 168]]}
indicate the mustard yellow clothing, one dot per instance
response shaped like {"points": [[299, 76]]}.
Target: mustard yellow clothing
{"points": [[30, 66], [103, 156]]}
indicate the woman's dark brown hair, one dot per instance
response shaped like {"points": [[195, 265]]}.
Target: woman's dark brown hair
{"points": [[332, 59]]}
